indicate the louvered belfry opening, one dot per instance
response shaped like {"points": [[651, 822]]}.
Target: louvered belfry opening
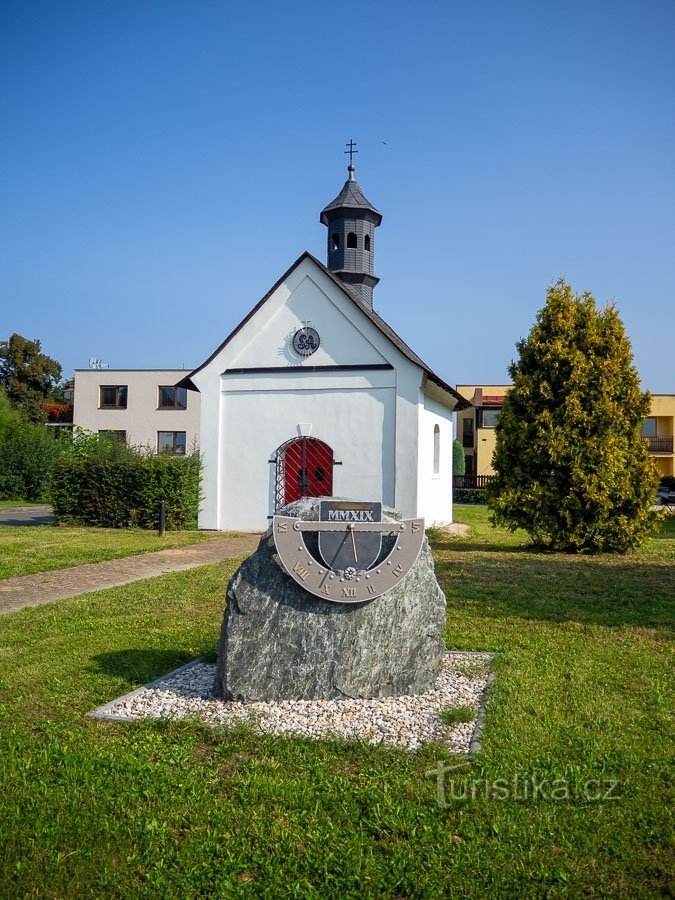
{"points": [[304, 468]]}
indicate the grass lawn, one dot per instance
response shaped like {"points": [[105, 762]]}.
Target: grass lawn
{"points": [[5, 503], [41, 548], [582, 698]]}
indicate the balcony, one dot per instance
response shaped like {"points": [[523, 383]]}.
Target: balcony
{"points": [[659, 444], [472, 481]]}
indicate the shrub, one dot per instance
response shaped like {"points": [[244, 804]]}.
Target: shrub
{"points": [[458, 459], [667, 482], [104, 483], [469, 495], [27, 455]]}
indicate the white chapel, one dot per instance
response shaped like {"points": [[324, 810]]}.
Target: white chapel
{"points": [[313, 394]]}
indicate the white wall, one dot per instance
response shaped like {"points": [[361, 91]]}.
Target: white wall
{"points": [[354, 415], [434, 491], [141, 419]]}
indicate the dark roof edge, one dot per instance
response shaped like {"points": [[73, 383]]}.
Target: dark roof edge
{"points": [[379, 323]]}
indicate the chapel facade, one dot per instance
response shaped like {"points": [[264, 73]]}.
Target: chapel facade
{"points": [[313, 394]]}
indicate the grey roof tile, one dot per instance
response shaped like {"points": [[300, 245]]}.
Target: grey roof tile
{"points": [[350, 197]]}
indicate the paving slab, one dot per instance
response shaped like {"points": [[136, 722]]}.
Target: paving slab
{"points": [[45, 587]]}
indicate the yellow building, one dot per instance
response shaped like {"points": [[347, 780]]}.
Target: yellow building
{"points": [[476, 425], [658, 430]]}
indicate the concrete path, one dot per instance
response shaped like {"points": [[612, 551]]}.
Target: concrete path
{"points": [[45, 587], [26, 515]]}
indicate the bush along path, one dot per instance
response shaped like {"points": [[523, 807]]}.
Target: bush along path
{"points": [[45, 587]]}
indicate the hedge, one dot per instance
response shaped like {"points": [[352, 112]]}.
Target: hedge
{"points": [[127, 492], [469, 495]]}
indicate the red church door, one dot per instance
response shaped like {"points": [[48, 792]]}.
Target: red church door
{"points": [[304, 469]]}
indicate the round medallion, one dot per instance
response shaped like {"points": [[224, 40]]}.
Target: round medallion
{"points": [[306, 340]]}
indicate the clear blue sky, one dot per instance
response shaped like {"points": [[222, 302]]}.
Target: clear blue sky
{"points": [[162, 163]]}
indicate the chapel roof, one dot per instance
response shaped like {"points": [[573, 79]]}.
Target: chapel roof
{"points": [[350, 197], [367, 310]]}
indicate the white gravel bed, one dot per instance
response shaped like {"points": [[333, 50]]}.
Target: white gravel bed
{"points": [[406, 721]]}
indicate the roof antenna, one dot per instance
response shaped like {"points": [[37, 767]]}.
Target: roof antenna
{"points": [[351, 168]]}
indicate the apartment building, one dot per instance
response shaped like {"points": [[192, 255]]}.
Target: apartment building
{"points": [[143, 407], [476, 425], [658, 430]]}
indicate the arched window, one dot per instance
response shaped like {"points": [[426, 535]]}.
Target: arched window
{"points": [[437, 449], [335, 242], [351, 240], [366, 243]]}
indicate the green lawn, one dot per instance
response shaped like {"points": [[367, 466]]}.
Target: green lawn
{"points": [[5, 503], [41, 548], [92, 809]]}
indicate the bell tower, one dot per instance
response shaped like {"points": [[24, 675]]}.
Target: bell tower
{"points": [[351, 222]]}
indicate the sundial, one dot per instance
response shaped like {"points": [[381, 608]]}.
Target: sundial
{"points": [[350, 565]]}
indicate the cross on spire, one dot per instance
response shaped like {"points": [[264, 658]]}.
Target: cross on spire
{"points": [[351, 168]]}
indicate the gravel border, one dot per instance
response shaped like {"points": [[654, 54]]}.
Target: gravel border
{"points": [[407, 721]]}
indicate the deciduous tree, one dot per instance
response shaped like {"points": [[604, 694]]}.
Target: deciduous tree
{"points": [[572, 469], [28, 375]]}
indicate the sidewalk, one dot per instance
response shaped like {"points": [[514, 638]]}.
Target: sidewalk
{"points": [[45, 587]]}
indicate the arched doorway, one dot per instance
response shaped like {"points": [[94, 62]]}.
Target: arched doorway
{"points": [[304, 469]]}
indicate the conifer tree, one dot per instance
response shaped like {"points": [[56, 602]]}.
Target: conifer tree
{"points": [[572, 469]]}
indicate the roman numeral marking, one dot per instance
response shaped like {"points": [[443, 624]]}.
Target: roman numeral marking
{"points": [[398, 571], [416, 527], [349, 592], [326, 590], [282, 527], [300, 571], [370, 588]]}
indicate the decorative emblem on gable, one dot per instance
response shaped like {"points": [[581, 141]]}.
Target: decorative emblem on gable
{"points": [[306, 340], [351, 567]]}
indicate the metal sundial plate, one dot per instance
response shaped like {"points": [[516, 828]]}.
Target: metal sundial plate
{"points": [[353, 585]]}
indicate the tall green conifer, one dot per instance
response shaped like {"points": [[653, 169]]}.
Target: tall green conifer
{"points": [[572, 469]]}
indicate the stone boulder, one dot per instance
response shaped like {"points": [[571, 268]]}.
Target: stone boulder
{"points": [[280, 643]]}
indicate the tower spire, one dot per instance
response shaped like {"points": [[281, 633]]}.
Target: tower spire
{"points": [[351, 221]]}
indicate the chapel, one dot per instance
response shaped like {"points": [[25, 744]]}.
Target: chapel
{"points": [[313, 394]]}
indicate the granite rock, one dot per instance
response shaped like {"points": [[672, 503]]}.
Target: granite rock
{"points": [[280, 643]]}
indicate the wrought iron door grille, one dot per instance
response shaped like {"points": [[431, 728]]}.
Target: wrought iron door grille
{"points": [[304, 468]]}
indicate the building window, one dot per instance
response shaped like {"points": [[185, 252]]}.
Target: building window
{"points": [[113, 396], [487, 418], [171, 442], [351, 241], [335, 242], [437, 449], [172, 397], [467, 433], [649, 427], [111, 435], [366, 243]]}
